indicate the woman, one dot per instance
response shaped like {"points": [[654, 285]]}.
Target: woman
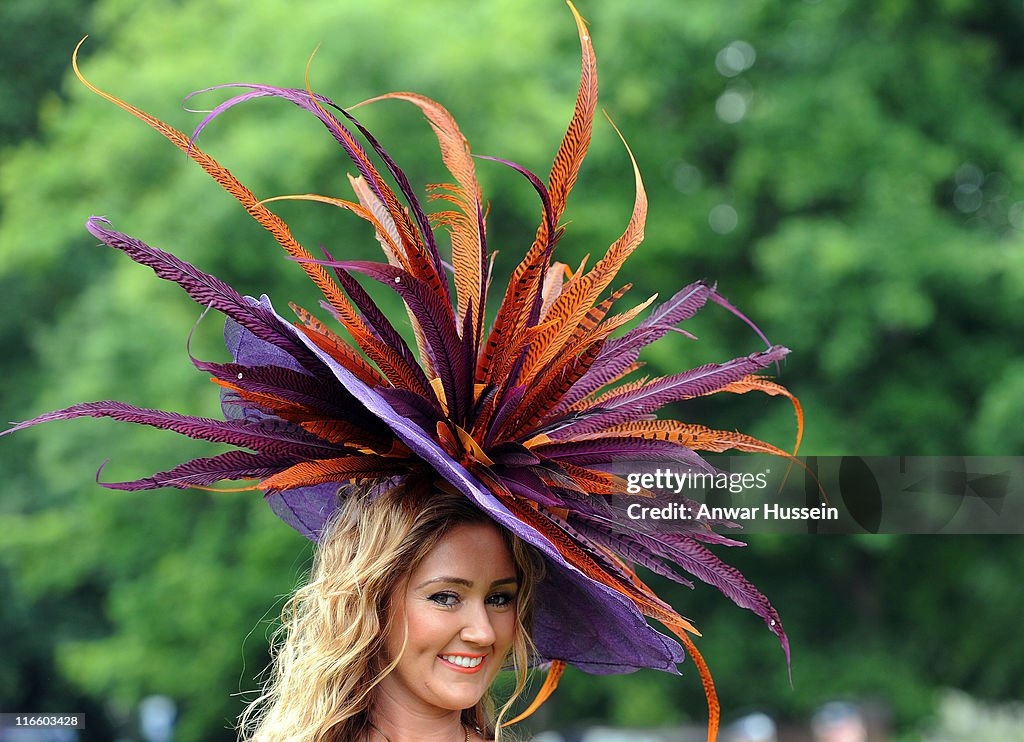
{"points": [[528, 416], [410, 611]]}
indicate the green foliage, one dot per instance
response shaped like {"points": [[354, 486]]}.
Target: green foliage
{"points": [[33, 57], [865, 206]]}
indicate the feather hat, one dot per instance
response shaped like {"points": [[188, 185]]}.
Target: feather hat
{"points": [[526, 415]]}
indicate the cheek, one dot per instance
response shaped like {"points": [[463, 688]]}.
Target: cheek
{"points": [[396, 632], [430, 631], [504, 629]]}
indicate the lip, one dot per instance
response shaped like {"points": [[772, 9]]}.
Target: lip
{"points": [[460, 668]]}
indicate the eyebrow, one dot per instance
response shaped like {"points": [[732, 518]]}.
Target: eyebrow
{"points": [[465, 582]]}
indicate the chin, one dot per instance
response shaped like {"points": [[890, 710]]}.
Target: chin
{"points": [[454, 698]]}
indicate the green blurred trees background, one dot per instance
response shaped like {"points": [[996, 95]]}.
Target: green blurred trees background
{"points": [[852, 174]]}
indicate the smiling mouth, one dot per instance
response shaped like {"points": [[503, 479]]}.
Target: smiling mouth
{"points": [[462, 663]]}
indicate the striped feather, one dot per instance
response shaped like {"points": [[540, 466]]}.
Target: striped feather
{"points": [[576, 299], [336, 469], [468, 256], [281, 440], [231, 465], [761, 384], [703, 380], [696, 437], [206, 290], [437, 322], [269, 221], [435, 278], [395, 369], [620, 449], [621, 353], [389, 239]]}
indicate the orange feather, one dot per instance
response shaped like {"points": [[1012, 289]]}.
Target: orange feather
{"points": [[467, 250], [550, 683], [753, 382], [268, 220], [329, 470]]}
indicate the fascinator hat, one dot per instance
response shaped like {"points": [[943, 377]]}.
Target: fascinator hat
{"points": [[526, 414]]}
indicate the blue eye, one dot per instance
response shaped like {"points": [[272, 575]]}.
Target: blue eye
{"points": [[445, 599]]}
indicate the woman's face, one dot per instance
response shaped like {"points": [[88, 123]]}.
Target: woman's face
{"points": [[460, 608]]}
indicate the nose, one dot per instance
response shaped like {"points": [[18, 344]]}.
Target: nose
{"points": [[478, 628]]}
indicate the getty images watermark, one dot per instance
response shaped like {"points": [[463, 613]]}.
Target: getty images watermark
{"points": [[824, 495], [735, 483]]}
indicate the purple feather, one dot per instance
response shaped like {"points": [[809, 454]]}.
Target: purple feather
{"points": [[207, 471], [303, 100], [484, 276], [506, 407], [623, 546], [549, 220], [469, 346], [682, 306], [696, 382], [410, 196], [524, 483], [437, 322], [591, 547], [298, 388], [705, 566], [619, 353], [206, 290], [538, 185], [421, 410], [621, 449], [723, 302], [378, 322], [512, 454], [266, 439]]}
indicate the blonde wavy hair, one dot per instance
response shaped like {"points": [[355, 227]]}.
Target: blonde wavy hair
{"points": [[328, 654]]}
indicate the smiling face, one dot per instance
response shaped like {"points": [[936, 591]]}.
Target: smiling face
{"points": [[460, 608]]}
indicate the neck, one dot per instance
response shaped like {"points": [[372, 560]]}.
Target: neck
{"points": [[390, 731], [397, 722]]}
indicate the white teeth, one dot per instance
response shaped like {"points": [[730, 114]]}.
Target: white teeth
{"points": [[461, 661]]}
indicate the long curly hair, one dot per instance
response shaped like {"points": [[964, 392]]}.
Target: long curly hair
{"points": [[328, 654]]}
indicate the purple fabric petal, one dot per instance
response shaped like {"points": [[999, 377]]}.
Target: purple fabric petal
{"points": [[306, 509], [249, 350]]}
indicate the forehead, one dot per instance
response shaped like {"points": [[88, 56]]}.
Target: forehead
{"points": [[471, 551]]}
